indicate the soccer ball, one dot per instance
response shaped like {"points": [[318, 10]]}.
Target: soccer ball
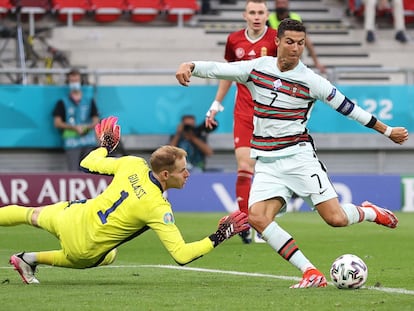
{"points": [[349, 271]]}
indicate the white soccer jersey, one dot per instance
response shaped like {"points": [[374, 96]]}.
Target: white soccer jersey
{"points": [[283, 101]]}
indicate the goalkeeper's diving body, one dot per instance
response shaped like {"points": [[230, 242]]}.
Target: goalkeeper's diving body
{"points": [[90, 231]]}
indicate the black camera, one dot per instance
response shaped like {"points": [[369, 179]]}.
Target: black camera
{"points": [[188, 128]]}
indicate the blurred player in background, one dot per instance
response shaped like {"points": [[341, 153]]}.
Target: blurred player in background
{"points": [[254, 41], [281, 12], [284, 91], [89, 231]]}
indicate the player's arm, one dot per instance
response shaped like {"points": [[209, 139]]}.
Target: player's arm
{"points": [[98, 162], [348, 108], [184, 253], [222, 90], [216, 106], [314, 56], [235, 71], [342, 104], [397, 134]]}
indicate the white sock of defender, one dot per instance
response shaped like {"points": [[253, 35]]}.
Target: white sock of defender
{"points": [[356, 214], [283, 243]]}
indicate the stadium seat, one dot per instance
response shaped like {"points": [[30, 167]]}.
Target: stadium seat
{"points": [[144, 11], [5, 7], [357, 8], [31, 10], [409, 11], [106, 11], [179, 11], [70, 11]]}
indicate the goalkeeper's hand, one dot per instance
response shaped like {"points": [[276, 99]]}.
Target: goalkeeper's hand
{"points": [[229, 226], [108, 133]]}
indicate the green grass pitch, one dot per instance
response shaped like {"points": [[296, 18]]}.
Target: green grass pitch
{"points": [[232, 277]]}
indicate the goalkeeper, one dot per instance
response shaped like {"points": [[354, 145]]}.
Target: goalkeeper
{"points": [[89, 231]]}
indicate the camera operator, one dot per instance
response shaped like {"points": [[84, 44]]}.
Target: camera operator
{"points": [[192, 139]]}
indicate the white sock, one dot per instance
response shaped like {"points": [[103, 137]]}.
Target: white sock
{"points": [[30, 258], [283, 243], [356, 214], [370, 214]]}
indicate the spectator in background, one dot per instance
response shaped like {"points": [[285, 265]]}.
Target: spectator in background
{"points": [[75, 116], [206, 8], [281, 12], [398, 17], [193, 140]]}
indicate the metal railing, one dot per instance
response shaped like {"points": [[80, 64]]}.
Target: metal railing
{"points": [[95, 75], [335, 74]]}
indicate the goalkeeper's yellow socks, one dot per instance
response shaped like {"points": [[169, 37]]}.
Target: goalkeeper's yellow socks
{"points": [[12, 215], [53, 258], [283, 243], [59, 259]]}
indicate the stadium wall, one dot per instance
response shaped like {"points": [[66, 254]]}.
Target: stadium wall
{"points": [[205, 192], [156, 110]]}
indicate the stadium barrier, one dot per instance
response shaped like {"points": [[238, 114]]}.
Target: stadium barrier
{"points": [[204, 192], [156, 110]]}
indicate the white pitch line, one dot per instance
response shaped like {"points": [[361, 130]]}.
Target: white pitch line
{"points": [[261, 275]]}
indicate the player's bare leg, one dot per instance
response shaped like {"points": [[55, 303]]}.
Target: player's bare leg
{"points": [[341, 215], [261, 217]]}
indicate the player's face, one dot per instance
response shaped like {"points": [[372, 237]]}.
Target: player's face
{"points": [[290, 49], [256, 15], [178, 177]]}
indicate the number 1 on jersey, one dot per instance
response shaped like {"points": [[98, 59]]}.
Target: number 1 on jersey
{"points": [[104, 216]]}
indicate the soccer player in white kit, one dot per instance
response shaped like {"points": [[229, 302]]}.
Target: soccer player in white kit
{"points": [[284, 91]]}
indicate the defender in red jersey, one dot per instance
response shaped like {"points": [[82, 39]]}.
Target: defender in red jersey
{"points": [[254, 41]]}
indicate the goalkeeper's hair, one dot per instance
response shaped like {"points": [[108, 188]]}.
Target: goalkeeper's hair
{"points": [[164, 158]]}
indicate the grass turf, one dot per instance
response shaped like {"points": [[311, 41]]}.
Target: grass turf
{"points": [[143, 278]]}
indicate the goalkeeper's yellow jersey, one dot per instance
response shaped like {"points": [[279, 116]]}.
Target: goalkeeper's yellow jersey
{"points": [[132, 203]]}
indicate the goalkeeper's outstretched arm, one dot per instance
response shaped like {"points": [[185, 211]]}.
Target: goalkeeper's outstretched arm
{"points": [[184, 253]]}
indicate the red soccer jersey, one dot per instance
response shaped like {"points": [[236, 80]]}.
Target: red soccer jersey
{"points": [[240, 47]]}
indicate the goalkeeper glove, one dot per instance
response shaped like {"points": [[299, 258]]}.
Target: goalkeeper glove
{"points": [[108, 133], [229, 226]]}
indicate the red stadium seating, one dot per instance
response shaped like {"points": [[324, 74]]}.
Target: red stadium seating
{"points": [[107, 10], [31, 10], [357, 9], [144, 11], [180, 10], [36, 7], [70, 11], [5, 7], [409, 11]]}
